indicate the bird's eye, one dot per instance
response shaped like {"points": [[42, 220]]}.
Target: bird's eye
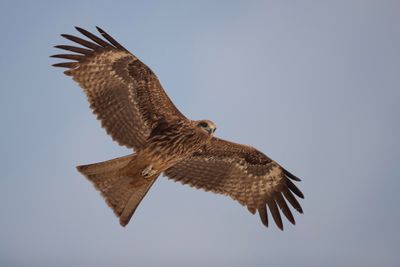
{"points": [[203, 124]]}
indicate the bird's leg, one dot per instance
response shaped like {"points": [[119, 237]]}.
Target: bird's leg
{"points": [[148, 171]]}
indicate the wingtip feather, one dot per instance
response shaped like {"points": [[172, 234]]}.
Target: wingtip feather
{"points": [[292, 200], [275, 213], [100, 30], [66, 64], [294, 189], [284, 208], [111, 39], [262, 211], [123, 223], [291, 176]]}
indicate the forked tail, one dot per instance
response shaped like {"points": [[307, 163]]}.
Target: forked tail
{"points": [[122, 190]]}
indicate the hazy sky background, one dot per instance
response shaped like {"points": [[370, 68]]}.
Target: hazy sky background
{"points": [[313, 84]]}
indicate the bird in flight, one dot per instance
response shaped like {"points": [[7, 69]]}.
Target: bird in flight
{"points": [[128, 99]]}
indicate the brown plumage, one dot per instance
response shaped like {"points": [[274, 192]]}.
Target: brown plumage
{"points": [[132, 106]]}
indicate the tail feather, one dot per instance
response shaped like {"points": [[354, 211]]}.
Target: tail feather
{"points": [[122, 191]]}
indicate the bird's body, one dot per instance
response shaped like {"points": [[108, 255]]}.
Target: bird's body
{"points": [[169, 143], [134, 109]]}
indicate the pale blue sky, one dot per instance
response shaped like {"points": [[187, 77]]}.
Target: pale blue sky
{"points": [[313, 84]]}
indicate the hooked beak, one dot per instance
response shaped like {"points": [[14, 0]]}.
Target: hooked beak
{"points": [[210, 130]]}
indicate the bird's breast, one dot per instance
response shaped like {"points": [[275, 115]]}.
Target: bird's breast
{"points": [[169, 148]]}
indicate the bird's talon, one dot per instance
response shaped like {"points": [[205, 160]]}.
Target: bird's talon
{"points": [[148, 171]]}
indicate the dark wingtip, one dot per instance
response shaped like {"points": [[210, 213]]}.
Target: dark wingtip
{"points": [[69, 56], [294, 189], [79, 29], [66, 64], [262, 211], [284, 208], [123, 223], [111, 39], [291, 176], [100, 30], [273, 208], [280, 226], [292, 200], [80, 168]]}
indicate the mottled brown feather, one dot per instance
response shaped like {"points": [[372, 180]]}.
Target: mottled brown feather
{"points": [[241, 172], [123, 92]]}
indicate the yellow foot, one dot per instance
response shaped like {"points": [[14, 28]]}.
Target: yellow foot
{"points": [[148, 171]]}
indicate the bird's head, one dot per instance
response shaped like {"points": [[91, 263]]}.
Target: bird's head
{"points": [[207, 126]]}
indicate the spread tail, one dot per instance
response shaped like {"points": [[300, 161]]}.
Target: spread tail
{"points": [[122, 190]]}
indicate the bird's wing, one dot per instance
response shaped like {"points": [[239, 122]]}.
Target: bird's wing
{"points": [[123, 92], [243, 173]]}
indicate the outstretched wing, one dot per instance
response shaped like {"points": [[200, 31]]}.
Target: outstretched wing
{"points": [[243, 173], [123, 92]]}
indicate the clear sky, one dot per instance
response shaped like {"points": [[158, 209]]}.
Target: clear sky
{"points": [[313, 84]]}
